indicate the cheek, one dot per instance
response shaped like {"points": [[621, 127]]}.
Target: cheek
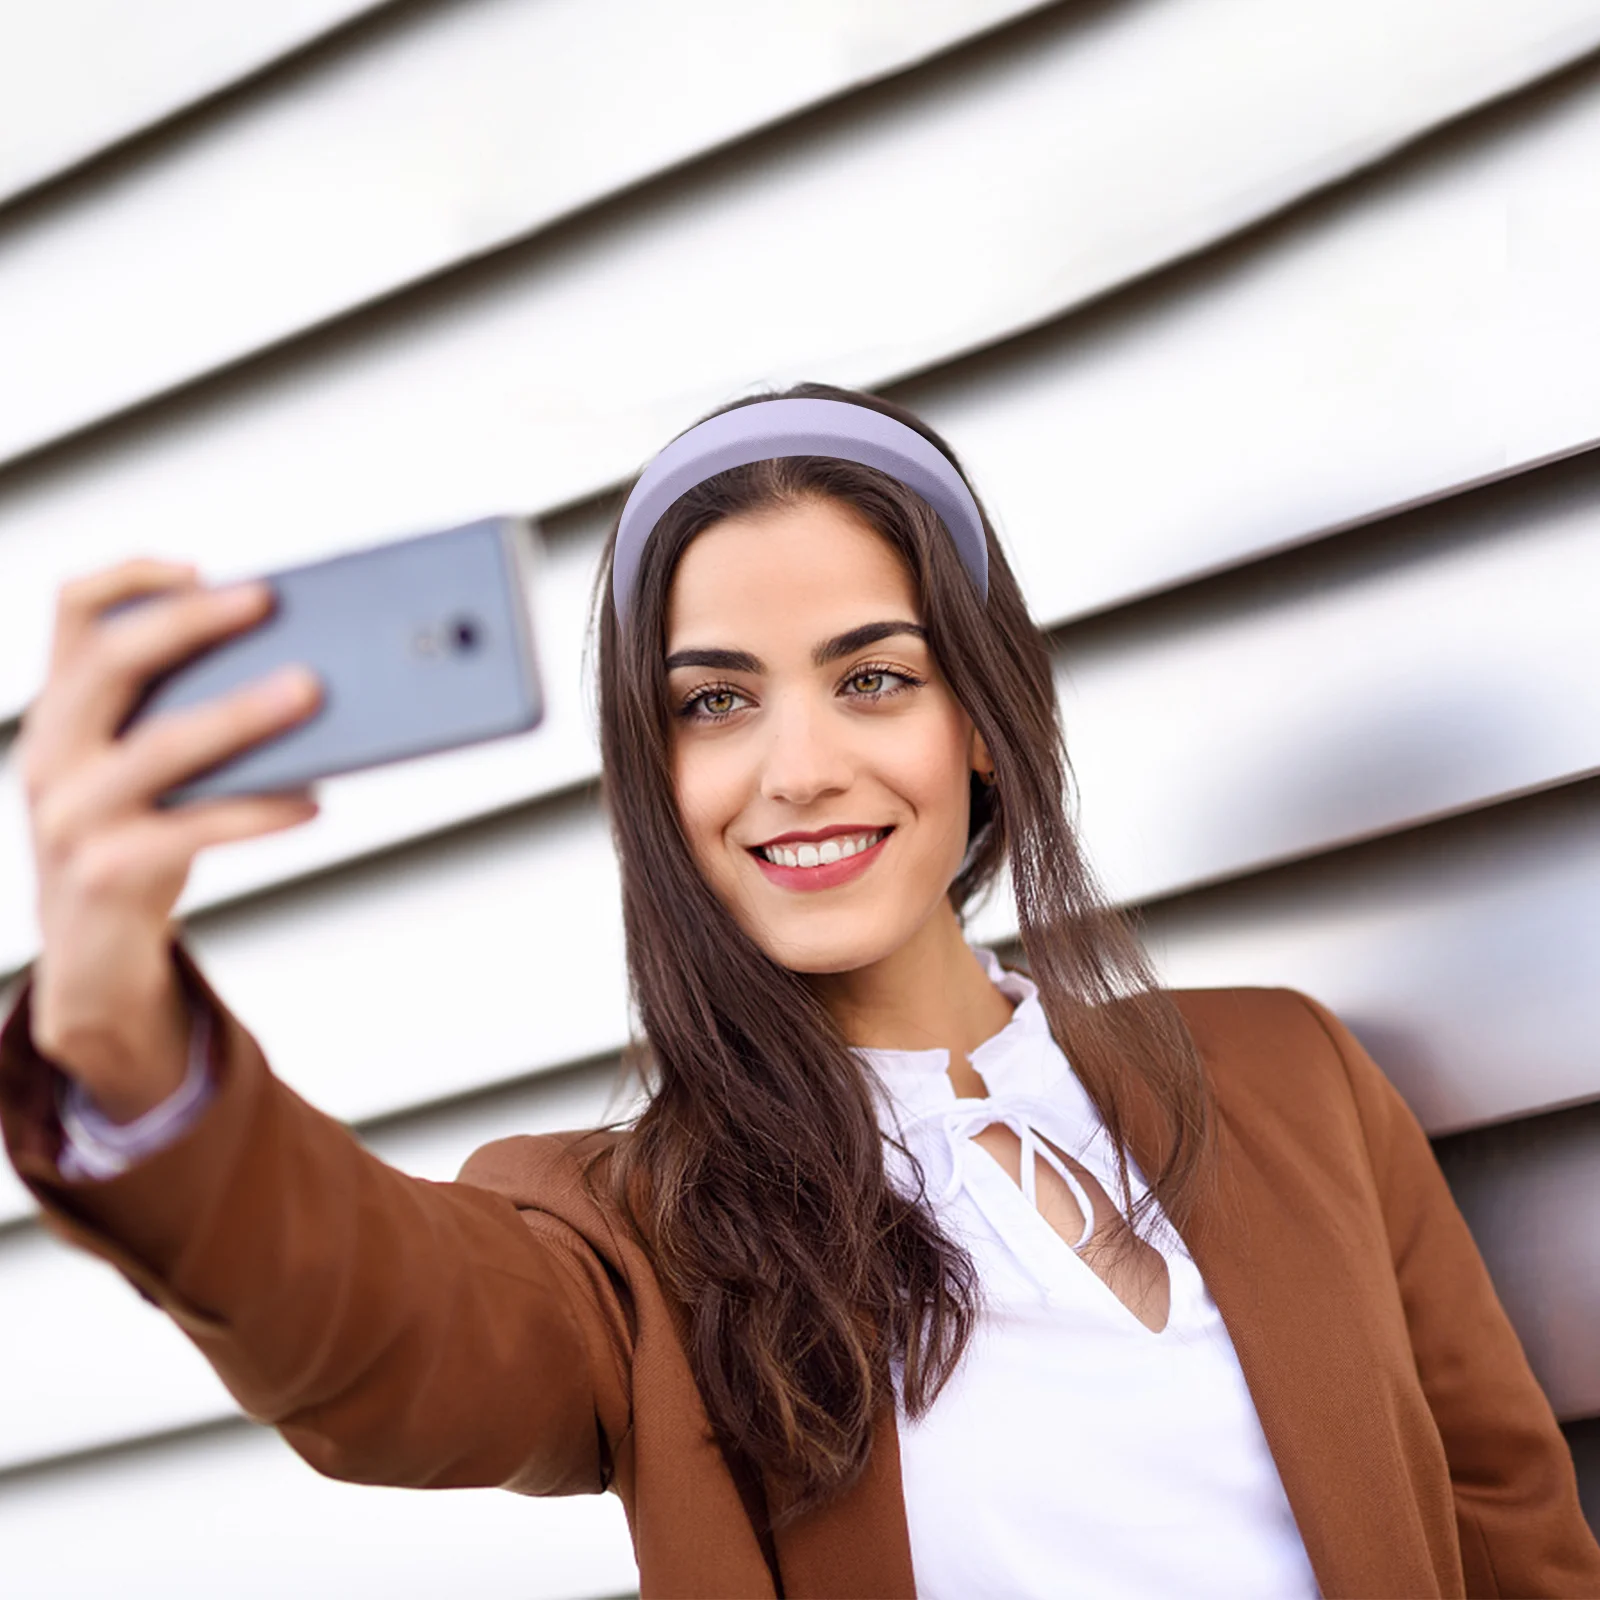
{"points": [[710, 790], [934, 773]]}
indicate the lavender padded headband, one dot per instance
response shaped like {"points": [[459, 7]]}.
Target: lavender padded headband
{"points": [[770, 429]]}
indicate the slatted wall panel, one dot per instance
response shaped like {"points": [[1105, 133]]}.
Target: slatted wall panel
{"points": [[79, 77], [1264, 335]]}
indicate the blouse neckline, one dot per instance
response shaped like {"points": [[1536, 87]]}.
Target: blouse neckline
{"points": [[1021, 1061]]}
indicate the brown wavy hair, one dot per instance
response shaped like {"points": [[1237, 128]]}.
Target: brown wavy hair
{"points": [[755, 1175]]}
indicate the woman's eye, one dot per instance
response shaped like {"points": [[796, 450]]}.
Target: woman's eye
{"points": [[711, 705], [876, 683]]}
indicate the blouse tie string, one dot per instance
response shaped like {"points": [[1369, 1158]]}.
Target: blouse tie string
{"points": [[957, 1125]]}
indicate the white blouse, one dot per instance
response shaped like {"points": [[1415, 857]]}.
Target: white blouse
{"points": [[1074, 1452]]}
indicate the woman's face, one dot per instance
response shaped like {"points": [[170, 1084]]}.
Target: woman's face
{"points": [[820, 759]]}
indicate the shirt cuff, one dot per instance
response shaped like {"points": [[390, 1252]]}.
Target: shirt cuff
{"points": [[93, 1146]]}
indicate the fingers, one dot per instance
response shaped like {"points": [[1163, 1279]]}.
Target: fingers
{"points": [[203, 823], [125, 652], [128, 774], [166, 750], [80, 601], [97, 677], [157, 847], [143, 859], [50, 735]]}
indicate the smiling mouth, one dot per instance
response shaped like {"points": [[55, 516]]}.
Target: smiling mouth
{"points": [[839, 848]]}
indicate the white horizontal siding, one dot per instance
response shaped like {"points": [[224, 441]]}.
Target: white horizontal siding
{"points": [[551, 376], [1372, 689], [1209, 738], [1425, 329], [79, 75], [93, 1362], [234, 1512], [431, 140], [1463, 956]]}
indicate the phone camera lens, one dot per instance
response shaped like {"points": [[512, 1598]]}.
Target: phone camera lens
{"points": [[465, 635]]}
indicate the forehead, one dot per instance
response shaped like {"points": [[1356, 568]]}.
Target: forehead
{"points": [[800, 572]]}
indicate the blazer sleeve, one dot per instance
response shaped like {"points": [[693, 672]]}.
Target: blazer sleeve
{"points": [[1521, 1526], [395, 1330]]}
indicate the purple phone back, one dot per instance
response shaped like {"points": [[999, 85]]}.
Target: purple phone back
{"points": [[421, 645]]}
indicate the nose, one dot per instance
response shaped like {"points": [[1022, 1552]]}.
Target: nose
{"points": [[804, 758]]}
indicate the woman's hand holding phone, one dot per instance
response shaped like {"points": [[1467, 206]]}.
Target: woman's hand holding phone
{"points": [[110, 863]]}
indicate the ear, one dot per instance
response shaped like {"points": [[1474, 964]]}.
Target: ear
{"points": [[982, 761]]}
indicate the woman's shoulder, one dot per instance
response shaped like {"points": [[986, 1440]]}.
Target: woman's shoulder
{"points": [[1246, 1018], [1278, 1052], [538, 1169], [566, 1176]]}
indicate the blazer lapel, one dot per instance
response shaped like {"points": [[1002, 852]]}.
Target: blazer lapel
{"points": [[1296, 1281], [856, 1547]]}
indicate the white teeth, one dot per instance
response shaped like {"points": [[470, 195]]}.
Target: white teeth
{"points": [[839, 848]]}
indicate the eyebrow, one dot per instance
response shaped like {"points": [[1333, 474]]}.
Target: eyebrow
{"points": [[834, 649]]}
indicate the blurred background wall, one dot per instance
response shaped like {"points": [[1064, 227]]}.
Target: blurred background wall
{"points": [[1269, 332]]}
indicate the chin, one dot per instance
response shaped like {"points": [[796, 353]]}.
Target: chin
{"points": [[817, 950]]}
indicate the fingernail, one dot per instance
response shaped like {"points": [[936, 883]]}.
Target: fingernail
{"points": [[244, 596]]}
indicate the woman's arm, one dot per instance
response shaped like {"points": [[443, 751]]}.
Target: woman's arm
{"points": [[1521, 1527], [396, 1331], [93, 1146]]}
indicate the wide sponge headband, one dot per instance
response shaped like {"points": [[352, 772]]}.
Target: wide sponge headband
{"points": [[770, 429]]}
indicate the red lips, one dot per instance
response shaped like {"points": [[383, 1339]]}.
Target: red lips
{"points": [[810, 879]]}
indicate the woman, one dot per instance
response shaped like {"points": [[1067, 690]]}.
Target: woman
{"points": [[914, 1276]]}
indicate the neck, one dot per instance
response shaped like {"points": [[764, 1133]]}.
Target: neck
{"points": [[930, 994]]}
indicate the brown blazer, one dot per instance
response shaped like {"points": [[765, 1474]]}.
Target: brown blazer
{"points": [[505, 1330]]}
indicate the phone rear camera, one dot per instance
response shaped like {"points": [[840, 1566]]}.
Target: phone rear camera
{"points": [[465, 635]]}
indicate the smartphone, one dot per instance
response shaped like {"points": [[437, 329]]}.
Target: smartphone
{"points": [[421, 644]]}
